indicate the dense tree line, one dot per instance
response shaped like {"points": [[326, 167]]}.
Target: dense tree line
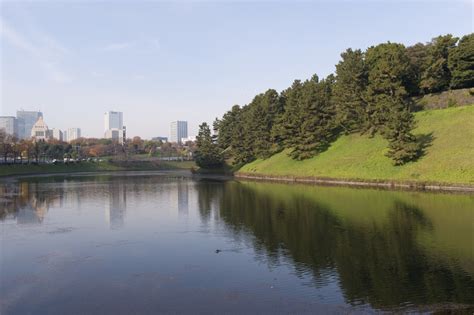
{"points": [[369, 93], [13, 150]]}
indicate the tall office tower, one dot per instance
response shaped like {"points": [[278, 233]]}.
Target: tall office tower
{"points": [[25, 122], [9, 125], [179, 130], [73, 134], [113, 120], [57, 134], [113, 126]]}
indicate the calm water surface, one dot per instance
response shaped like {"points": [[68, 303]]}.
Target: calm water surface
{"points": [[161, 242]]}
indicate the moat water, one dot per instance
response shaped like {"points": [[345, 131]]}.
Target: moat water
{"points": [[147, 243]]}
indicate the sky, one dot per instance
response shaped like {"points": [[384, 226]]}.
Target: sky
{"points": [[188, 60]]}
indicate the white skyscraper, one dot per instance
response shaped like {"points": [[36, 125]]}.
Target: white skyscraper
{"points": [[179, 130], [57, 134], [113, 120], [113, 125], [73, 134]]}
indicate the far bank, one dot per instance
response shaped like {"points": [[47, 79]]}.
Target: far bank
{"points": [[83, 167]]}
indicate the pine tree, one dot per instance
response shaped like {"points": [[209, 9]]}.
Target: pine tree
{"points": [[225, 127], [461, 63], [317, 129], [349, 89], [277, 133], [403, 146], [388, 68], [263, 111], [207, 153], [287, 125], [241, 140], [417, 56], [437, 76], [389, 111]]}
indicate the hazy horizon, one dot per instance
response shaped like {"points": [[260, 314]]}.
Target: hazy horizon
{"points": [[158, 62]]}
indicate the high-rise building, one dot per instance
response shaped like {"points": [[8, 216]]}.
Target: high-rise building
{"points": [[114, 134], [40, 131], [179, 130], [113, 120], [113, 126], [9, 125], [57, 134], [73, 134], [25, 122]]}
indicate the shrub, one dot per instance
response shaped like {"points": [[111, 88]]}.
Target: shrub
{"points": [[452, 102]]}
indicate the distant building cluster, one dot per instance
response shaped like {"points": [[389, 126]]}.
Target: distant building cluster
{"points": [[31, 125]]}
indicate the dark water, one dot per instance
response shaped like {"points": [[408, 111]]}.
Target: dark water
{"points": [[136, 243]]}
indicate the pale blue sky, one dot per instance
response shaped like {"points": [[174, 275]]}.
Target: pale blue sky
{"points": [[163, 61]]}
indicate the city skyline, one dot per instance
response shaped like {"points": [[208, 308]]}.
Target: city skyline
{"points": [[22, 124], [187, 60]]}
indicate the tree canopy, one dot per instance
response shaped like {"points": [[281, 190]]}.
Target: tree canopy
{"points": [[207, 154]]}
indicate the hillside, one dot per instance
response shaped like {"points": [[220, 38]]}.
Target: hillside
{"points": [[449, 158]]}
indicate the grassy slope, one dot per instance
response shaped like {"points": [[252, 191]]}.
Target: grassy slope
{"points": [[449, 159], [8, 170]]}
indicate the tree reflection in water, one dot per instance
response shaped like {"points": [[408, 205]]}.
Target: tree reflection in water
{"points": [[379, 261]]}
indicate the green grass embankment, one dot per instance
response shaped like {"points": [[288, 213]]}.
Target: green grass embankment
{"points": [[11, 170], [448, 158]]}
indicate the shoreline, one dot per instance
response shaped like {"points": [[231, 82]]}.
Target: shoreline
{"points": [[385, 184], [16, 171], [180, 172], [356, 183]]}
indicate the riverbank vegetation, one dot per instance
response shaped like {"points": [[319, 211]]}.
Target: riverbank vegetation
{"points": [[102, 166], [448, 144], [365, 110]]}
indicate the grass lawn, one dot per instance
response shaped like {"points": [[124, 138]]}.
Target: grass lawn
{"points": [[448, 159]]}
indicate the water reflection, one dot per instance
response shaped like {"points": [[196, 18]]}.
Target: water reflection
{"points": [[116, 205], [183, 197], [380, 254], [390, 250], [25, 203]]}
